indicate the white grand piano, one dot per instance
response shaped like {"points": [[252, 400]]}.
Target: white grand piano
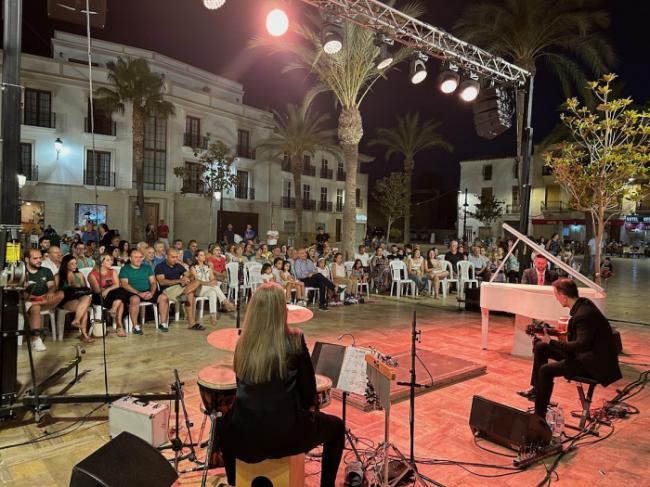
{"points": [[529, 302]]}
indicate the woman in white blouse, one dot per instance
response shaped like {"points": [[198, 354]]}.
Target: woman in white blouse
{"points": [[210, 288], [416, 270], [339, 275]]}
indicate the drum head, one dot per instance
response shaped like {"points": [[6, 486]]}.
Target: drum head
{"points": [[225, 339], [217, 377], [323, 383]]}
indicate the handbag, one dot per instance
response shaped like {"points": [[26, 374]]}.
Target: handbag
{"points": [[79, 292]]}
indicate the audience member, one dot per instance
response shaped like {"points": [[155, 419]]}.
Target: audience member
{"points": [[340, 277], [379, 271], [77, 296], [416, 271], [210, 286], [163, 232], [176, 283], [188, 253], [53, 260], [540, 275], [480, 262], [305, 271], [433, 267], [249, 233], [321, 238], [104, 282], [272, 236], [79, 252]]}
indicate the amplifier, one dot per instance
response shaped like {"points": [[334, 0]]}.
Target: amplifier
{"points": [[147, 420]]}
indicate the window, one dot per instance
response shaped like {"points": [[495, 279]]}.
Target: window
{"points": [[487, 172], [486, 194], [290, 226], [241, 190], [358, 198], [324, 163], [155, 154], [243, 143], [515, 169], [340, 172], [306, 192], [340, 166], [192, 182], [27, 169], [102, 123], [98, 169], [515, 197], [192, 136], [339, 200], [323, 194], [38, 108], [307, 160], [286, 188]]}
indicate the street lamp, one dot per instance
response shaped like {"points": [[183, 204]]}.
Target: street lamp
{"points": [[465, 205], [58, 146]]}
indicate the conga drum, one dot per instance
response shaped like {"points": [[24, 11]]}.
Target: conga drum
{"points": [[323, 391], [217, 386]]}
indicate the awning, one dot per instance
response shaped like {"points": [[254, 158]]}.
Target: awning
{"points": [[544, 221]]}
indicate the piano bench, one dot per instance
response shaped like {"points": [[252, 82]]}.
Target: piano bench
{"points": [[585, 400]]}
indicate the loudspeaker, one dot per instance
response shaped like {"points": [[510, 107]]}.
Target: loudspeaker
{"points": [[507, 426], [473, 299], [493, 112], [125, 461]]}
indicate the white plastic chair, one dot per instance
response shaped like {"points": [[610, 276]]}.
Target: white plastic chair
{"points": [[361, 286], [349, 264], [142, 312], [397, 271], [464, 268], [450, 279], [232, 269], [53, 325], [96, 309], [254, 277]]}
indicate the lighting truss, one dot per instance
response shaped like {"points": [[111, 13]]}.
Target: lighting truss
{"points": [[420, 36]]}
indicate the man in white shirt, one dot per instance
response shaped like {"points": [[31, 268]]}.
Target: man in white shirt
{"points": [[54, 258], [481, 263], [363, 257], [272, 236]]}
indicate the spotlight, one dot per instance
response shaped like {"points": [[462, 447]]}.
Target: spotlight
{"points": [[449, 79], [470, 88], [418, 68], [213, 4], [332, 37], [277, 22], [385, 58]]}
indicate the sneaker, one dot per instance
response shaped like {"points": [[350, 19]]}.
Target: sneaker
{"points": [[530, 394], [302, 302], [137, 330], [163, 327], [38, 345], [323, 308]]}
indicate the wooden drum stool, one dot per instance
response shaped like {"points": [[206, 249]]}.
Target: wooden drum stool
{"points": [[283, 472]]}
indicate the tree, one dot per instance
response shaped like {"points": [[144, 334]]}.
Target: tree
{"points": [[297, 132], [390, 192], [487, 210], [563, 34], [215, 175], [408, 139], [609, 148], [349, 75], [135, 83]]}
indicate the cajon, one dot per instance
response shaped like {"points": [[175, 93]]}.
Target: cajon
{"points": [[283, 472]]}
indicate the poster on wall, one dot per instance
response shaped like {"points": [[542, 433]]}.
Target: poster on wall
{"points": [[85, 213]]}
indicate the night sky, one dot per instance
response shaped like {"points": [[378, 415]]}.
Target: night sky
{"points": [[218, 42]]}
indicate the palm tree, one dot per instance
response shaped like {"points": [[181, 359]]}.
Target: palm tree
{"points": [[297, 132], [349, 75], [135, 83], [407, 139], [562, 34]]}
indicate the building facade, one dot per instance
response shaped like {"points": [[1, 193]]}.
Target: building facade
{"points": [[73, 175]]}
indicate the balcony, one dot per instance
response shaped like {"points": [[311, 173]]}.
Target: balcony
{"points": [[195, 141], [105, 179], [288, 202], [30, 171], [340, 175], [554, 206], [37, 119], [512, 209], [244, 193], [643, 208], [326, 173], [339, 207], [308, 204], [245, 151], [103, 126], [309, 170], [325, 206]]}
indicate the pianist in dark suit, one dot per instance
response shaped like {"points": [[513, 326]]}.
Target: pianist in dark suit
{"points": [[540, 274], [589, 351]]}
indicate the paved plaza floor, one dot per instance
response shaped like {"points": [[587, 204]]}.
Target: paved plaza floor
{"points": [[146, 363]]}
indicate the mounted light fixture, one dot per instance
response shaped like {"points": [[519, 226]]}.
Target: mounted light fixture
{"points": [[58, 146], [385, 58], [277, 22], [332, 35], [22, 180], [418, 69], [449, 79], [469, 88], [213, 4]]}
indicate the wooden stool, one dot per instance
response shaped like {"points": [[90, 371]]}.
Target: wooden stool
{"points": [[283, 472]]}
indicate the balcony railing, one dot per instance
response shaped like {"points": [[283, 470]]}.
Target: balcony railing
{"points": [[308, 204], [47, 120], [511, 209], [244, 193], [326, 173], [339, 208], [288, 202], [643, 208], [106, 179], [192, 186], [103, 126], [195, 141], [245, 151], [554, 206], [325, 206], [309, 170], [340, 175], [30, 172]]}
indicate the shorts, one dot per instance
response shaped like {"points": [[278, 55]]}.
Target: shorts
{"points": [[154, 298], [173, 292]]}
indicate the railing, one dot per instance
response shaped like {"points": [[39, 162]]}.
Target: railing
{"points": [[192, 186], [288, 202], [308, 204], [325, 206], [30, 172], [339, 208], [554, 206], [340, 175], [359, 203], [326, 173], [106, 179], [195, 141], [309, 170], [510, 209], [39, 119], [103, 126], [643, 207], [244, 193], [245, 151]]}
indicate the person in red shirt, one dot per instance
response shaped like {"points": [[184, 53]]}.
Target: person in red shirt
{"points": [[217, 262], [163, 232]]}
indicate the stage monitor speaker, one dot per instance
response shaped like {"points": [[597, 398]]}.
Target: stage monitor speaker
{"points": [[473, 299], [507, 426], [125, 461]]}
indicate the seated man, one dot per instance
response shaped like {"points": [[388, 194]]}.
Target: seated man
{"points": [[540, 275], [174, 280], [40, 294], [481, 264], [305, 271], [589, 351], [364, 257], [140, 283]]}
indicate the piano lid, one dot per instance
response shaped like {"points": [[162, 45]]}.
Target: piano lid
{"points": [[567, 268]]}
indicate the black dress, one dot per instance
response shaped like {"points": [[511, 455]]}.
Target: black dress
{"points": [[274, 420]]}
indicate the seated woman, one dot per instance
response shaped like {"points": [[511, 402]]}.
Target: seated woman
{"points": [[217, 262], [124, 252], [107, 292], [273, 415], [379, 271], [322, 268], [210, 286], [358, 271], [339, 275], [287, 280], [76, 295], [415, 269], [434, 269], [495, 261]]}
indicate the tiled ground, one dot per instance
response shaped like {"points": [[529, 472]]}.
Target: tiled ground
{"points": [[442, 432]]}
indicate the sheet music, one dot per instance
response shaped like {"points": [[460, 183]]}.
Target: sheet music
{"points": [[353, 371]]}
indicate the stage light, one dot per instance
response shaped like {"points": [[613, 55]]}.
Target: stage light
{"points": [[213, 4], [418, 68], [470, 88], [385, 58], [449, 79], [332, 37], [277, 22]]}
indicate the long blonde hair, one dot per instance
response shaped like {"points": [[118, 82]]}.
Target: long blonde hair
{"points": [[266, 341]]}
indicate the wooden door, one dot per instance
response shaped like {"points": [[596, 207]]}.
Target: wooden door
{"points": [[151, 213]]}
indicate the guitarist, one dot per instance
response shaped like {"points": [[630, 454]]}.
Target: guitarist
{"points": [[589, 351]]}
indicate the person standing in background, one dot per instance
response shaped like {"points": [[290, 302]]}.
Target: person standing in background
{"points": [[163, 232]]}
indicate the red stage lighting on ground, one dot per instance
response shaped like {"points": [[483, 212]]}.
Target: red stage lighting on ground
{"points": [[277, 22]]}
